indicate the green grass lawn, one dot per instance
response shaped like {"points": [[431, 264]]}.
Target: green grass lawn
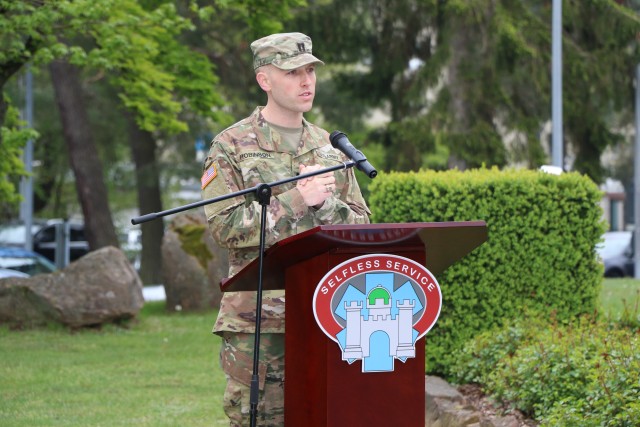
{"points": [[618, 295], [160, 371]]}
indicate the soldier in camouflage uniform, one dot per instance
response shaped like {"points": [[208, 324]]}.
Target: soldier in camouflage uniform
{"points": [[274, 143]]}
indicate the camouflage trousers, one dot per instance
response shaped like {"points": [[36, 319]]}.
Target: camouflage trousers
{"points": [[236, 360]]}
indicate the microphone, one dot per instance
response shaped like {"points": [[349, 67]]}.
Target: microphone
{"points": [[340, 141]]}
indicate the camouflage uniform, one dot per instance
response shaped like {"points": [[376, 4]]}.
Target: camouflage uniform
{"points": [[236, 360], [244, 155], [247, 154]]}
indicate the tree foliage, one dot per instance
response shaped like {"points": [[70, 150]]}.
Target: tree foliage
{"points": [[13, 137], [136, 49], [463, 83], [476, 74], [224, 32]]}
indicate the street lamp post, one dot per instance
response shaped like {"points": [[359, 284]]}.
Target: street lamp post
{"points": [[556, 85], [26, 184], [636, 182]]}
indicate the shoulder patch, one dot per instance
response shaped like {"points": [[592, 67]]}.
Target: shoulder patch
{"points": [[208, 175]]}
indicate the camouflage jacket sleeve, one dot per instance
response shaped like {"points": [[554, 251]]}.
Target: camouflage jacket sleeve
{"points": [[348, 207]]}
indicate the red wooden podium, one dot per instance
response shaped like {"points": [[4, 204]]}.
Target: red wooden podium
{"points": [[320, 388]]}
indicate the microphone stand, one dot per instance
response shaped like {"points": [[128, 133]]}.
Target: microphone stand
{"points": [[263, 195]]}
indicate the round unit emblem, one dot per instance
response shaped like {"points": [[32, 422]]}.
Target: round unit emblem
{"points": [[376, 307]]}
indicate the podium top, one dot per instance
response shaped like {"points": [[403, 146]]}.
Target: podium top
{"points": [[444, 243]]}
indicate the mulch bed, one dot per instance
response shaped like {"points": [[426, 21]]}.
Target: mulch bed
{"points": [[499, 414]]}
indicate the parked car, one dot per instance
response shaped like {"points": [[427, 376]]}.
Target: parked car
{"points": [[44, 237], [14, 233], [7, 272], [44, 241], [616, 252], [24, 261]]}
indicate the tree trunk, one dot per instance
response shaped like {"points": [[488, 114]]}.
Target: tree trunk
{"points": [[83, 156], [143, 149]]}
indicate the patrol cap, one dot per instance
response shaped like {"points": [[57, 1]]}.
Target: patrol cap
{"points": [[286, 51]]}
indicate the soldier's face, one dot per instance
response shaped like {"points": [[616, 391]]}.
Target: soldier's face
{"points": [[293, 90]]}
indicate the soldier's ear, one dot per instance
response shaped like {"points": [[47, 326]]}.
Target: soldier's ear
{"points": [[262, 77]]}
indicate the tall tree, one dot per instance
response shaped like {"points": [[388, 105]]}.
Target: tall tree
{"points": [[192, 82], [143, 148], [83, 156], [470, 75], [150, 61], [138, 48], [138, 52], [224, 33]]}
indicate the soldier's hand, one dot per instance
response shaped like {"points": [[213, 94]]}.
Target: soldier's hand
{"points": [[317, 189]]}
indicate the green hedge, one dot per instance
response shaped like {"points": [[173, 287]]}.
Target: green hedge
{"points": [[539, 256]]}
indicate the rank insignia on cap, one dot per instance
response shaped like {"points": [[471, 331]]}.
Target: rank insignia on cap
{"points": [[208, 176]]}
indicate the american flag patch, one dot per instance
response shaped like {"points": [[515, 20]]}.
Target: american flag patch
{"points": [[208, 176]]}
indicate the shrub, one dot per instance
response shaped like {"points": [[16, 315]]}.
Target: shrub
{"points": [[585, 374], [539, 256]]}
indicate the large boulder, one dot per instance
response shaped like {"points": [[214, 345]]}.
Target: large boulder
{"points": [[100, 287], [192, 264]]}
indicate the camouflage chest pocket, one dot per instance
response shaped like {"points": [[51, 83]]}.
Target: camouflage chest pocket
{"points": [[263, 167], [328, 156]]}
